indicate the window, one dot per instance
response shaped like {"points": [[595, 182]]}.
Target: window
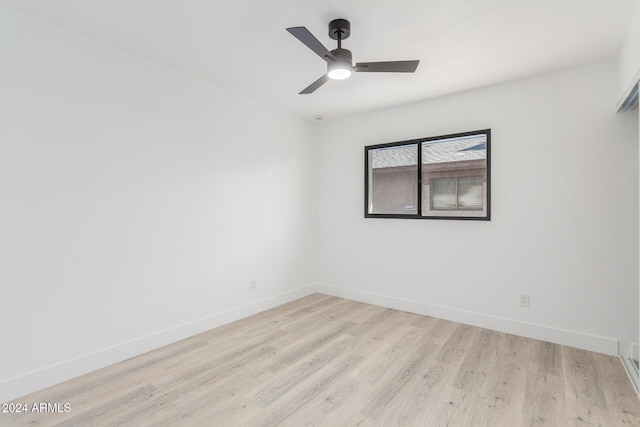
{"points": [[456, 193], [443, 177]]}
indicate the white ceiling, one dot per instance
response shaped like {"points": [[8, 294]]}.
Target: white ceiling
{"points": [[242, 44]]}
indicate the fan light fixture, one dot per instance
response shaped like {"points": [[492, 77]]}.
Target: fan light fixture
{"points": [[339, 61], [339, 70]]}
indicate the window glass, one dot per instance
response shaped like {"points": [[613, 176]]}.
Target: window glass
{"points": [[393, 180], [453, 176], [470, 193], [443, 194], [455, 194]]}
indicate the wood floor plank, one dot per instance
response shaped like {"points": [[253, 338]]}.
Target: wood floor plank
{"points": [[420, 395], [337, 313], [305, 345], [6, 420], [441, 331], [376, 319], [380, 359], [314, 307], [363, 316], [456, 348], [583, 392], [377, 338], [218, 364], [276, 414], [329, 407], [545, 358], [506, 385], [389, 390], [424, 322], [479, 363], [235, 413], [456, 407], [282, 310], [383, 373], [618, 391], [293, 376], [327, 361], [544, 400]]}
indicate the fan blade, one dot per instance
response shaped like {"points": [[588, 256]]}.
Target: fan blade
{"points": [[315, 85], [387, 67], [309, 40]]}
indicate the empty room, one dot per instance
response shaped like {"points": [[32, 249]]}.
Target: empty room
{"points": [[319, 213]]}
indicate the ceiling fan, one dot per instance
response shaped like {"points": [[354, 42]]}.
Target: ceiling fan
{"points": [[339, 61]]}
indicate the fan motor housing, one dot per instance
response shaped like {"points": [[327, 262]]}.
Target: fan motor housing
{"points": [[339, 28], [342, 55]]}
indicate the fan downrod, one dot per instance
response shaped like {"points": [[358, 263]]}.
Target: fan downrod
{"points": [[339, 29]]}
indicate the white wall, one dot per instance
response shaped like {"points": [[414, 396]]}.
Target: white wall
{"points": [[629, 70], [564, 225], [629, 58], [136, 204]]}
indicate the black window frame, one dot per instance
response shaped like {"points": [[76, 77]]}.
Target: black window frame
{"points": [[418, 212]]}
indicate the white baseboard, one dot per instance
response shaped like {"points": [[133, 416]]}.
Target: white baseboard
{"points": [[531, 330], [41, 378]]}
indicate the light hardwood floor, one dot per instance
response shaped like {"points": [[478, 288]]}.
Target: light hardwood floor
{"points": [[326, 361]]}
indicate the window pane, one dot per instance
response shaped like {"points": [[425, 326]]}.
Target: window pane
{"points": [[393, 180], [454, 176], [443, 194], [454, 150], [470, 193]]}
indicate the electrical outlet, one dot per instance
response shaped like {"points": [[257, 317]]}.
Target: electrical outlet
{"points": [[524, 300], [252, 285]]}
